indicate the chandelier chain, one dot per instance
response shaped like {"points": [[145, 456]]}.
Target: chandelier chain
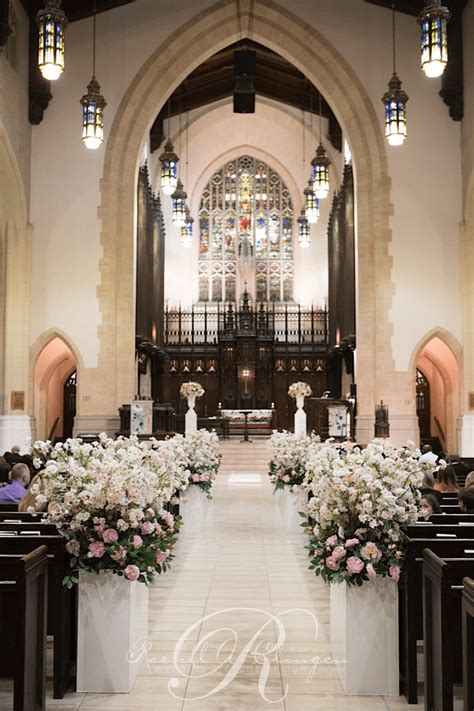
{"points": [[93, 37]]}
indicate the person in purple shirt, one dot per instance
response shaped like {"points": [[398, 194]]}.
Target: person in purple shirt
{"points": [[14, 492]]}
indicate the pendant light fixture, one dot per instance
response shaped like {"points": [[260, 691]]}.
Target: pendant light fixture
{"points": [[311, 209], [433, 20], [93, 104], [169, 162], [52, 22], [304, 238], [179, 196], [395, 100], [187, 231], [320, 164]]}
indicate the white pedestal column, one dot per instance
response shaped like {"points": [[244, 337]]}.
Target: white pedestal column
{"points": [[465, 428], [112, 619], [190, 419], [300, 417], [364, 637], [291, 504]]}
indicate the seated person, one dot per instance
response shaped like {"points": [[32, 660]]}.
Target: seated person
{"points": [[14, 492], [460, 469], [5, 470], [469, 480], [447, 482], [13, 457], [427, 486], [428, 456], [466, 499], [429, 505], [30, 499]]}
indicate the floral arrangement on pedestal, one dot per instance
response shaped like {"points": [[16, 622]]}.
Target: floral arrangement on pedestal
{"points": [[362, 498], [299, 389], [289, 455], [108, 500], [191, 389], [198, 455]]}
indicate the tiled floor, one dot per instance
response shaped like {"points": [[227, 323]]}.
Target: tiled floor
{"points": [[227, 581]]}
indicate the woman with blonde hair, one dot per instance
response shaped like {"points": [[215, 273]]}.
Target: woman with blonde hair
{"points": [[447, 482], [30, 499]]}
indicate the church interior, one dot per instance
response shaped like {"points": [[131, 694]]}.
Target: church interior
{"points": [[246, 195]]}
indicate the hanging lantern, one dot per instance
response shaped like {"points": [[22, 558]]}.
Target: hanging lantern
{"points": [[303, 225], [52, 22], [187, 231], [433, 20], [395, 100], [169, 169], [179, 205], [93, 104], [320, 175], [311, 209]]}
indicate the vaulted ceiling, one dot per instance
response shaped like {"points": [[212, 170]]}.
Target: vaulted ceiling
{"points": [[275, 79], [75, 9]]}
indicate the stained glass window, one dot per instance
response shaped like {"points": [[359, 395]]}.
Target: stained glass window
{"points": [[246, 225]]}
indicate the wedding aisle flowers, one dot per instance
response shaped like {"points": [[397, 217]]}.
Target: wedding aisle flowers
{"points": [[299, 389], [198, 455], [361, 500], [190, 389], [289, 455], [108, 500]]}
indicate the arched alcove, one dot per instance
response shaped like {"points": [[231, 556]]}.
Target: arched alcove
{"points": [[439, 363], [54, 365], [194, 42]]}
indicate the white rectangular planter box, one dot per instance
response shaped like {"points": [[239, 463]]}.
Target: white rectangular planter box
{"points": [[193, 509], [364, 637], [291, 504], [112, 619]]}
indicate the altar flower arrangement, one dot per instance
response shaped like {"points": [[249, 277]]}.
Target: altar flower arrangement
{"points": [[289, 458], [299, 389], [198, 455], [190, 389], [108, 500], [362, 499]]}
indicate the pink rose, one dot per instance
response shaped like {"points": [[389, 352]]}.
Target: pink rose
{"points": [[96, 549], [332, 564], [137, 541], [371, 571], [338, 552], [132, 572], [285, 478], [160, 556], [168, 518], [73, 547], [351, 542], [331, 541], [371, 552], [394, 572], [148, 527], [110, 535], [119, 554], [354, 565], [195, 478]]}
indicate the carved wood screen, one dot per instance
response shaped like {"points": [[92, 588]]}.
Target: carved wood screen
{"points": [[150, 261], [341, 255]]}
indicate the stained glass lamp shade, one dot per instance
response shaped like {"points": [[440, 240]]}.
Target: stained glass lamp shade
{"points": [[434, 38], [52, 22]]}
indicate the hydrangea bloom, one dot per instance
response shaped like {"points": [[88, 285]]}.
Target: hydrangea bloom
{"points": [[289, 455]]}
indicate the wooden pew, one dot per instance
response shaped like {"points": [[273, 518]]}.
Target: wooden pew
{"points": [[468, 642], [442, 594], [28, 527], [23, 602], [62, 605], [441, 530], [411, 603], [450, 518]]}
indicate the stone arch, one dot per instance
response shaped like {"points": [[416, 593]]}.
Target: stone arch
{"points": [[53, 358], [439, 356], [206, 33]]}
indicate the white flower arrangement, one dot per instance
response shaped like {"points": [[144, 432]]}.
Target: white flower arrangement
{"points": [[109, 501], [198, 456], [289, 456], [299, 389], [188, 389], [361, 501]]}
